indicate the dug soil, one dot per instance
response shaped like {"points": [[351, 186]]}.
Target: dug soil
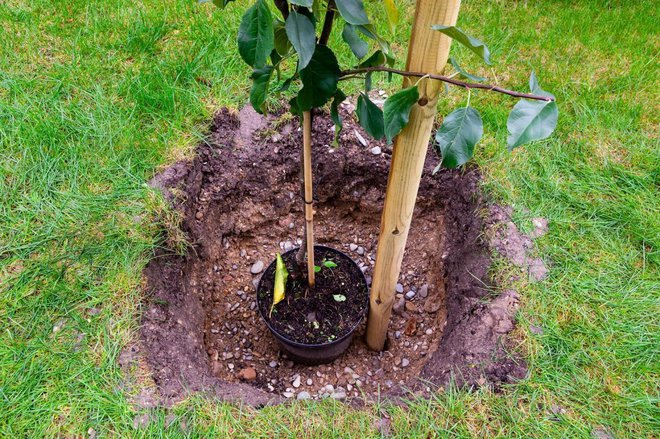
{"points": [[240, 205]]}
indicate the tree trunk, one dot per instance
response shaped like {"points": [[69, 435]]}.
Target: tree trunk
{"points": [[428, 52]]}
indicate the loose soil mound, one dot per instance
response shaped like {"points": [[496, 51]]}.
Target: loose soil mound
{"points": [[240, 203]]}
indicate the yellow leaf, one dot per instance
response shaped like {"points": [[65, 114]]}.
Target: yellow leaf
{"points": [[392, 13], [281, 276]]}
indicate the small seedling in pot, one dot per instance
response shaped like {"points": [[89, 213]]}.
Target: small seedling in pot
{"points": [[325, 263]]}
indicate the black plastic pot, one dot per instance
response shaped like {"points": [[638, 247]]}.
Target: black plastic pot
{"points": [[313, 354]]}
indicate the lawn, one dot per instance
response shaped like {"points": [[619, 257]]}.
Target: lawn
{"points": [[96, 97]]}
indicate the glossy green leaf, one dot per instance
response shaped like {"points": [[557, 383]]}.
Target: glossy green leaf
{"points": [[256, 35], [329, 264], [317, 269], [369, 31], [459, 133], [281, 40], [375, 60], [465, 74], [305, 3], [358, 46], [336, 117], [219, 3], [370, 117], [259, 92], [319, 79], [475, 45], [301, 33], [397, 111], [530, 121], [352, 11]]}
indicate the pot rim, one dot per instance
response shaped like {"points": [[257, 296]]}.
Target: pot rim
{"points": [[285, 339]]}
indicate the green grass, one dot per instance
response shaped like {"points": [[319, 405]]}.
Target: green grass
{"points": [[95, 97]]}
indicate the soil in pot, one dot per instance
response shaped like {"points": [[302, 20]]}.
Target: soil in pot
{"points": [[319, 315]]}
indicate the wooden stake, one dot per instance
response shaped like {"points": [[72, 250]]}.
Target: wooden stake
{"points": [[427, 52], [309, 195]]}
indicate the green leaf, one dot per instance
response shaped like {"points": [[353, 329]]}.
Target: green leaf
{"points": [[256, 35], [219, 3], [259, 92], [370, 117], [329, 264], [339, 297], [319, 79], [475, 45], [531, 120], [352, 11], [397, 111], [317, 269], [281, 41], [459, 133], [334, 114], [375, 60], [358, 46], [301, 33], [305, 3], [392, 14], [370, 32], [465, 74]]}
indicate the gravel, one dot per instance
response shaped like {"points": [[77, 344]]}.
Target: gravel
{"points": [[353, 247], [257, 267], [399, 288], [376, 150], [405, 362], [424, 291], [410, 295], [303, 395]]}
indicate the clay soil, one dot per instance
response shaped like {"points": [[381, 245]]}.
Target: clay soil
{"points": [[240, 204]]}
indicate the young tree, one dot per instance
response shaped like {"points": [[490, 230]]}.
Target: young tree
{"points": [[297, 36]]}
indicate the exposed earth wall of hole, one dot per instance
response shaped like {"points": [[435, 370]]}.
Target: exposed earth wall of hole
{"points": [[240, 203]]}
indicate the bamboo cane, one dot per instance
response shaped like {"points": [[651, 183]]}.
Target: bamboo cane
{"points": [[309, 195], [427, 52]]}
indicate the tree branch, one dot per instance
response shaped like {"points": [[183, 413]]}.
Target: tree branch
{"points": [[283, 6], [448, 80], [327, 23]]}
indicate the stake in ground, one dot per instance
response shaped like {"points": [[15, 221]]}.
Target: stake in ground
{"points": [[289, 46]]}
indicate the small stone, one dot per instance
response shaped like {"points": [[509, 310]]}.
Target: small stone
{"points": [[329, 388], [536, 329], [397, 361], [348, 370], [360, 139], [376, 150], [397, 334], [399, 288], [303, 396], [288, 394], [405, 362], [288, 246], [410, 295], [601, 433], [360, 251], [353, 247], [399, 305], [248, 374], [339, 395], [230, 366], [257, 267], [429, 331], [410, 307], [296, 381], [424, 291], [199, 215], [309, 381]]}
